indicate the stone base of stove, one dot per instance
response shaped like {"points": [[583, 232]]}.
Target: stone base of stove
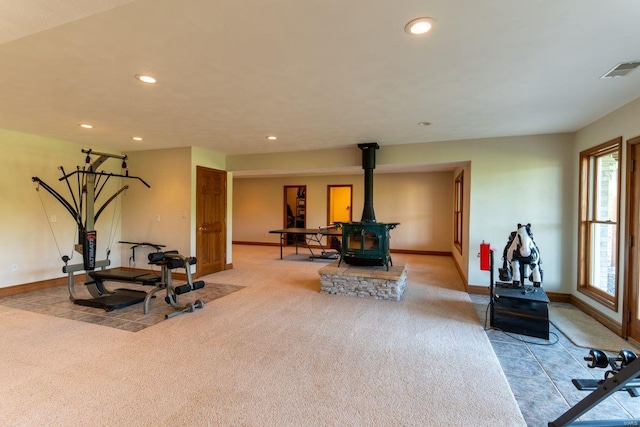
{"points": [[365, 282]]}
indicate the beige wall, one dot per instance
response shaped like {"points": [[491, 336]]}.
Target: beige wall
{"points": [[421, 202], [303, 162], [510, 180], [625, 123], [160, 214]]}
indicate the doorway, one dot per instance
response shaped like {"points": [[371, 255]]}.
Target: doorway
{"points": [[211, 220], [631, 304], [339, 200], [295, 209]]}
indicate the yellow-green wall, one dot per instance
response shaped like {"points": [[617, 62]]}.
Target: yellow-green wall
{"points": [[31, 241]]}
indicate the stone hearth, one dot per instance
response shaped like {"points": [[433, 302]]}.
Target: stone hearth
{"points": [[365, 282]]}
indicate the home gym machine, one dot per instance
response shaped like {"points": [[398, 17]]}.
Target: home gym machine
{"points": [[623, 375], [89, 183], [168, 261]]}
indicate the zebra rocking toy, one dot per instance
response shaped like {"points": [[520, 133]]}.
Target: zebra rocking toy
{"points": [[521, 249]]}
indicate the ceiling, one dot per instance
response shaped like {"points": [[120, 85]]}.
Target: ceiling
{"points": [[315, 73]]}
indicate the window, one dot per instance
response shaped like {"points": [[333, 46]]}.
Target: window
{"points": [[599, 213], [457, 212]]}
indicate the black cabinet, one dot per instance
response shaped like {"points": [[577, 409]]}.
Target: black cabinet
{"points": [[523, 311]]}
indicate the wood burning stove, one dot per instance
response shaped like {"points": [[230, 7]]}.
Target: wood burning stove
{"points": [[366, 242]]}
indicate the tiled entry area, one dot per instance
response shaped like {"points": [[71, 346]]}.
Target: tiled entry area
{"points": [[540, 372]]}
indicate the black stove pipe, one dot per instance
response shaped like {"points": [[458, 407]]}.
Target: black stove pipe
{"points": [[368, 164]]}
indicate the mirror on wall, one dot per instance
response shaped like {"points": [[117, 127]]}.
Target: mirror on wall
{"points": [[295, 208]]}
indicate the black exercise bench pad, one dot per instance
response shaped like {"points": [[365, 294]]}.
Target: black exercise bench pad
{"points": [[120, 298], [117, 275]]}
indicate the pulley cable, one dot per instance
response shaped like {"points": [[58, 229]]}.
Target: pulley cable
{"points": [[80, 194], [46, 214], [112, 232]]}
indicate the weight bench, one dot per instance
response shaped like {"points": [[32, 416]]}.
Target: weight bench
{"points": [[169, 261], [119, 298]]}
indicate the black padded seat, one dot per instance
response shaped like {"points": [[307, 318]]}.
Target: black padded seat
{"points": [[120, 298]]}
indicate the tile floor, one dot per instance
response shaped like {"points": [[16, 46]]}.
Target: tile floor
{"points": [[540, 372], [56, 302]]}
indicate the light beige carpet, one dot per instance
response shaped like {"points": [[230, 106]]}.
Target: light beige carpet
{"points": [[583, 330], [278, 353]]}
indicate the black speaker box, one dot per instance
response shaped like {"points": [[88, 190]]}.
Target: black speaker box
{"points": [[523, 311]]}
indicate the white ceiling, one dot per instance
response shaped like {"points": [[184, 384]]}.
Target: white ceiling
{"points": [[316, 73]]}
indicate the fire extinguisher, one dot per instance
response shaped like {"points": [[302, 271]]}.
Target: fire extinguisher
{"points": [[485, 254]]}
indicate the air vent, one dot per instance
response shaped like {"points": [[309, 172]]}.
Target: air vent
{"points": [[621, 69]]}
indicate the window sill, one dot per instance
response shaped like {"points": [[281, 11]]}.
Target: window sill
{"points": [[599, 297]]}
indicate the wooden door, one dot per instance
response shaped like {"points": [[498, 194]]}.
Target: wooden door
{"points": [[632, 277], [211, 221]]}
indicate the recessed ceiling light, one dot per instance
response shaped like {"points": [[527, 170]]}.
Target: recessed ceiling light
{"points": [[419, 26], [272, 138], [136, 138], [86, 125], [146, 78], [424, 124]]}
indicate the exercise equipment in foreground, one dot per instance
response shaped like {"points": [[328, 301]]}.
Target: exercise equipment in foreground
{"points": [[623, 375], [85, 190], [119, 298], [169, 261]]}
